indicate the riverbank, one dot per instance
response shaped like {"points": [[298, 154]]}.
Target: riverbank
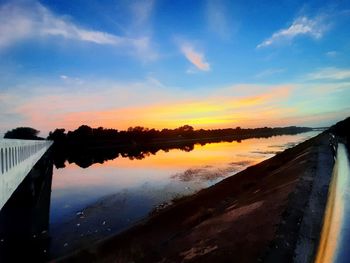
{"points": [[95, 149], [240, 219]]}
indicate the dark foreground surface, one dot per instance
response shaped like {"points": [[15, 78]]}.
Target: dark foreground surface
{"points": [[269, 212]]}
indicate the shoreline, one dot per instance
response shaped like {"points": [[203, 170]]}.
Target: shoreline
{"points": [[237, 219], [85, 153]]}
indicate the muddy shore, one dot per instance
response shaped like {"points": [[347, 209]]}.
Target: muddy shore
{"points": [[263, 213]]}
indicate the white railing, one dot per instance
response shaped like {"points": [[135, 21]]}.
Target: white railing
{"points": [[17, 158]]}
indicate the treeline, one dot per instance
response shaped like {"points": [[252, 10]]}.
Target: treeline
{"points": [[86, 146], [140, 135]]}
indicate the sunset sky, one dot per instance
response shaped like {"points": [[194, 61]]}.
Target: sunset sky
{"points": [[165, 63]]}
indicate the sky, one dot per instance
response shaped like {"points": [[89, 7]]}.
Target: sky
{"points": [[163, 63]]}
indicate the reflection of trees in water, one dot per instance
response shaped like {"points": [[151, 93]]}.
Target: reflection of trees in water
{"points": [[85, 156], [86, 146]]}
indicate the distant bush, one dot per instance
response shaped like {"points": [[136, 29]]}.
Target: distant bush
{"points": [[25, 133]]}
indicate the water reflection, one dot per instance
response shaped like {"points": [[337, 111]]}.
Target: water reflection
{"points": [[24, 220], [85, 156], [116, 193], [208, 173]]}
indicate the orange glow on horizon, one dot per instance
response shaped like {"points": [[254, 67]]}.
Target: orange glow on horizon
{"points": [[214, 112]]}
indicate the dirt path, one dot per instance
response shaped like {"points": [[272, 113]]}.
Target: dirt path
{"points": [[237, 220]]}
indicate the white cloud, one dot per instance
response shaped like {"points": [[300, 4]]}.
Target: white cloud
{"points": [[156, 82], [303, 25], [71, 80], [30, 20], [195, 57], [332, 54], [330, 73], [191, 70]]}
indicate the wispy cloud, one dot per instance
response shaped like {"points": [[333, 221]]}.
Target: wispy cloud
{"points": [[332, 54], [330, 73], [71, 80], [141, 11], [269, 72], [217, 18], [21, 20], [195, 57], [301, 26]]}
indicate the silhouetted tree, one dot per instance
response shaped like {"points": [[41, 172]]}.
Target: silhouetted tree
{"points": [[84, 132], [26, 133], [186, 128], [57, 135], [85, 145]]}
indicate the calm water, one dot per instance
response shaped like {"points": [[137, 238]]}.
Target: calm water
{"points": [[104, 199]]}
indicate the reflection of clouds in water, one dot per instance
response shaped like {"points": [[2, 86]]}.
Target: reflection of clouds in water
{"points": [[118, 201], [281, 146], [200, 174], [266, 152], [210, 173], [168, 191], [291, 144], [256, 157], [241, 163]]}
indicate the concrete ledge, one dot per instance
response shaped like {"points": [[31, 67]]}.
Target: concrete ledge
{"points": [[17, 158]]}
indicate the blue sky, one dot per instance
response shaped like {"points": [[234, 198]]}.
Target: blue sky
{"points": [[165, 63]]}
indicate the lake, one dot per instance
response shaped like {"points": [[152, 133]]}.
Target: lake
{"points": [[104, 199]]}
